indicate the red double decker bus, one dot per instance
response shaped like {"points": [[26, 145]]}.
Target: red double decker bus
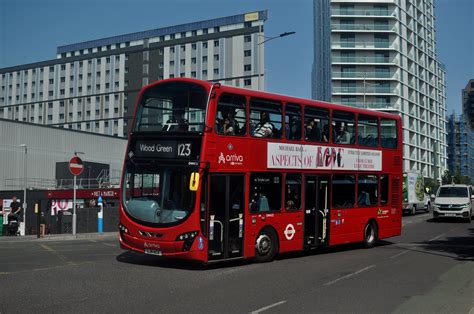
{"points": [[215, 172]]}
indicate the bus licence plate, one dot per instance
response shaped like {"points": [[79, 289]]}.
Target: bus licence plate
{"points": [[153, 252]]}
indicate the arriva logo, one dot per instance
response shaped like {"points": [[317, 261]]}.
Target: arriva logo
{"points": [[233, 160]]}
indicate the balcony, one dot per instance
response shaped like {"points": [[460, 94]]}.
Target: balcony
{"points": [[361, 90], [346, 59], [370, 75], [363, 27], [371, 105], [363, 45], [368, 12]]}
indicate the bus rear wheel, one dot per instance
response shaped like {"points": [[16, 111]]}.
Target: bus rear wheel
{"points": [[370, 234], [266, 246]]}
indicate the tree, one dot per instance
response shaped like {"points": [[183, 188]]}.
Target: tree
{"points": [[432, 185], [447, 177]]}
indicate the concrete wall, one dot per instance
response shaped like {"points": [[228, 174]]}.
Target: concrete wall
{"points": [[48, 145]]}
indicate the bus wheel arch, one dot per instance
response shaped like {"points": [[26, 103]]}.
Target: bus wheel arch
{"points": [[371, 233], [267, 245]]}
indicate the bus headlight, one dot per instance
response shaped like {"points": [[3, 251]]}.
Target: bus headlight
{"points": [[123, 229], [187, 236]]}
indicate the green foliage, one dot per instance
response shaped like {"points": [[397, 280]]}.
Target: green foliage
{"points": [[447, 177], [432, 185]]}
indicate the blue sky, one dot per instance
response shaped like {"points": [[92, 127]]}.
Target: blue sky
{"points": [[30, 31]]}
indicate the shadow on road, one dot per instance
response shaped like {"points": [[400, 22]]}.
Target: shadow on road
{"points": [[459, 248], [156, 261]]}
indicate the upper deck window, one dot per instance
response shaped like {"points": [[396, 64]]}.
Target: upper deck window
{"points": [[368, 131], [231, 115], [293, 122], [265, 118], [388, 128], [316, 124], [172, 107], [343, 127]]}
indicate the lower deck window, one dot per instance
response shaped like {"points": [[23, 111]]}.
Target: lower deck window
{"points": [[265, 192], [343, 191]]}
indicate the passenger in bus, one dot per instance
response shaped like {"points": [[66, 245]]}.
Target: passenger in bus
{"points": [[313, 133], [227, 128], [264, 128], [364, 198], [325, 134], [176, 123], [343, 136]]}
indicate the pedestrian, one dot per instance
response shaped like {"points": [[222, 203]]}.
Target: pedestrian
{"points": [[15, 208]]}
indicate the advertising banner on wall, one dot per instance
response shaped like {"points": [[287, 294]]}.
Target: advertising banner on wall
{"points": [[62, 205], [295, 156]]}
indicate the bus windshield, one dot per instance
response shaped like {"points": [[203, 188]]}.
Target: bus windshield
{"points": [[172, 107], [159, 196]]}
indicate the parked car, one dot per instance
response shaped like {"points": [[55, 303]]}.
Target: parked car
{"points": [[454, 200]]}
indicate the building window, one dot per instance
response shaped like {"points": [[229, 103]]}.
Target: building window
{"points": [[216, 57], [183, 61], [204, 59], [193, 60], [216, 71], [247, 67], [193, 74], [247, 38], [248, 53], [193, 46], [247, 82], [171, 49], [183, 48], [216, 43], [204, 45]]}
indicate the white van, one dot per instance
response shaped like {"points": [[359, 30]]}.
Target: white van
{"points": [[454, 200]]}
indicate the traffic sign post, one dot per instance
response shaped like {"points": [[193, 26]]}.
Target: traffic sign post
{"points": [[76, 167]]}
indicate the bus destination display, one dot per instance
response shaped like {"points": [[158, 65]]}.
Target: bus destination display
{"points": [[166, 149]]}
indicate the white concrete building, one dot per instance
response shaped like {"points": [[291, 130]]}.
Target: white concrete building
{"points": [[93, 86], [384, 58]]}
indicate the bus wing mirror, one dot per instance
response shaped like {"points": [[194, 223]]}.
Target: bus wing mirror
{"points": [[194, 181]]}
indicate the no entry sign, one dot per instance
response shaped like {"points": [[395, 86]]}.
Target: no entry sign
{"points": [[75, 166]]}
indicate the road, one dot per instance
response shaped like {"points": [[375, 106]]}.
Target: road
{"points": [[429, 269]]}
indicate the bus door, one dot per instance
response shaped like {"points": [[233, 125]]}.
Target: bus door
{"points": [[226, 216], [316, 219]]}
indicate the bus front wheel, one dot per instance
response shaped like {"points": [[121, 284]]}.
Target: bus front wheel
{"points": [[266, 246], [370, 234]]}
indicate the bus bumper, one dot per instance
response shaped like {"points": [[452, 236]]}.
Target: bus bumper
{"points": [[176, 249]]}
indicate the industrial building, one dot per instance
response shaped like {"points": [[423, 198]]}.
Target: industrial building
{"points": [[383, 57], [93, 86]]}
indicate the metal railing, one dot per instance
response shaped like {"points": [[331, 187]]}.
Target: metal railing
{"points": [[366, 90], [367, 12], [364, 27], [349, 74], [358, 59], [364, 44]]}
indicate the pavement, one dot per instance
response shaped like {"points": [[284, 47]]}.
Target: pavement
{"points": [[59, 237], [428, 269]]}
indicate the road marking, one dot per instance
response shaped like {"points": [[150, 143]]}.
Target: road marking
{"points": [[268, 307], [349, 275], [436, 238], [399, 254], [58, 255], [4, 273], [93, 241], [110, 244]]}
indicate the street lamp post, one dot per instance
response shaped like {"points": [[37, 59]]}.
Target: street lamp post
{"points": [[365, 89], [260, 54], [25, 173]]}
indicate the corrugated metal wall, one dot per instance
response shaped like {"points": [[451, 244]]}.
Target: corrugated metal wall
{"points": [[48, 145]]}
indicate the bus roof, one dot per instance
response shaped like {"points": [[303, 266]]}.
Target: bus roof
{"points": [[280, 97]]}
